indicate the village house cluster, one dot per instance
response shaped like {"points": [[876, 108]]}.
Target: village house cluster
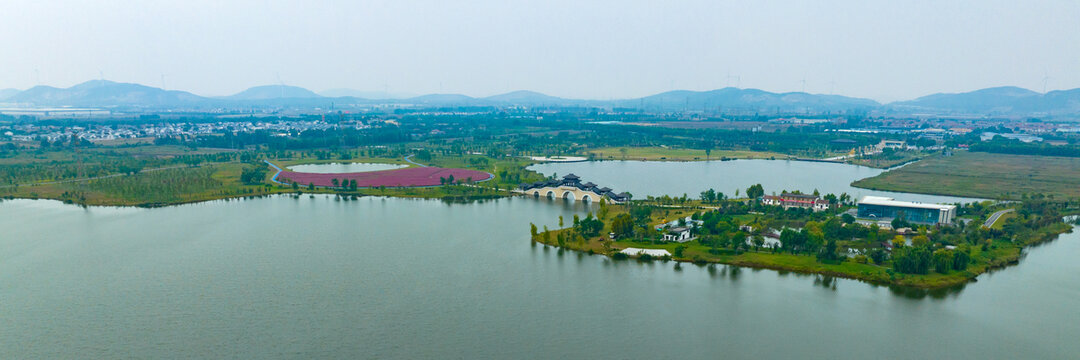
{"points": [[31, 132]]}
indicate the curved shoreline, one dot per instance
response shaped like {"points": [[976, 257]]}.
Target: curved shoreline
{"points": [[929, 281]]}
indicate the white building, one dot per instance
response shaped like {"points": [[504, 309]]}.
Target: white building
{"points": [[678, 234]]}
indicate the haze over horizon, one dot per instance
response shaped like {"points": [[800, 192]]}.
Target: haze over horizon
{"points": [[595, 50]]}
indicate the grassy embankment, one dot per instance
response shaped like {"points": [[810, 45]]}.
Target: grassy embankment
{"points": [[1000, 253], [657, 153], [983, 175]]}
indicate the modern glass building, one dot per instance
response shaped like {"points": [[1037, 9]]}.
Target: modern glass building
{"points": [[883, 208]]}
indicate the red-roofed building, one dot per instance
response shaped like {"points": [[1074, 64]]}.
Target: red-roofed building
{"points": [[789, 200]]}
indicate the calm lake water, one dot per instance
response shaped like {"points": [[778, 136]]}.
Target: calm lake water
{"points": [[340, 168], [396, 278], [644, 178], [282, 277]]}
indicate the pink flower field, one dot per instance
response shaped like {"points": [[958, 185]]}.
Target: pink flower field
{"points": [[408, 177]]}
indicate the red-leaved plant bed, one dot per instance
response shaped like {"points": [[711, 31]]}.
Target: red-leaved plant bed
{"points": [[414, 176]]}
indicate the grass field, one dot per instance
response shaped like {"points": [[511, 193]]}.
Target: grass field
{"points": [[661, 153], [885, 161], [983, 175]]}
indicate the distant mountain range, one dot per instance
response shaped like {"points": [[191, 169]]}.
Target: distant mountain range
{"points": [[991, 101], [997, 100], [274, 92], [373, 95], [748, 99], [105, 93], [6, 93]]}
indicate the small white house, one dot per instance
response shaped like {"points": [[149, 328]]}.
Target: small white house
{"points": [[678, 234]]}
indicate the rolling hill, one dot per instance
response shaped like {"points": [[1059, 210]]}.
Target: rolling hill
{"points": [[266, 92], [106, 93]]}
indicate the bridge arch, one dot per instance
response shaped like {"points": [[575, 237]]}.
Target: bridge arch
{"points": [[566, 193]]}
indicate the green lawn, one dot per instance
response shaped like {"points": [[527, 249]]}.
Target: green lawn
{"points": [[983, 175]]}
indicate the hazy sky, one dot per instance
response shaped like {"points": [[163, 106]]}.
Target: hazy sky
{"points": [[886, 50]]}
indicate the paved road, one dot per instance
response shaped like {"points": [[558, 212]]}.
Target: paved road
{"points": [[408, 159], [994, 217], [274, 178]]}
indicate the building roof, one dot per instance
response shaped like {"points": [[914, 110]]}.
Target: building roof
{"points": [[804, 196], [887, 201], [571, 177]]}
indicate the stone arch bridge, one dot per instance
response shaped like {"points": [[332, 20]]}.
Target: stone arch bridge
{"points": [[570, 187]]}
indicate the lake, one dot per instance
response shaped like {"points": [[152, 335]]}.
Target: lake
{"points": [[341, 168], [656, 178], [314, 277]]}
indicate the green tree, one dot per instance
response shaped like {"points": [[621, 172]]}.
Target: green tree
{"points": [[920, 241], [878, 255], [755, 191], [830, 252], [590, 226], [943, 260], [708, 196], [679, 250], [847, 218], [622, 226], [961, 259], [898, 242]]}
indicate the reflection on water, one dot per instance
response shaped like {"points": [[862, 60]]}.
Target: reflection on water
{"points": [[405, 278], [340, 168]]}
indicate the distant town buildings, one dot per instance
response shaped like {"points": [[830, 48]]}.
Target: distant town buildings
{"points": [[32, 132]]}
